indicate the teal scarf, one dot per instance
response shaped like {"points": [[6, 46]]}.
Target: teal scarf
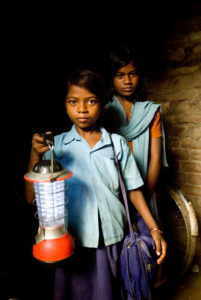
{"points": [[137, 130]]}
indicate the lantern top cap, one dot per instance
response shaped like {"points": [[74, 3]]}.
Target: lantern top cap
{"points": [[44, 167], [42, 172]]}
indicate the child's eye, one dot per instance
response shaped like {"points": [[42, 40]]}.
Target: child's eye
{"points": [[118, 75], [72, 102], [92, 101], [134, 74]]}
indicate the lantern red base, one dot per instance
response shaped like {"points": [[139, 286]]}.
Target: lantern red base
{"points": [[54, 250]]}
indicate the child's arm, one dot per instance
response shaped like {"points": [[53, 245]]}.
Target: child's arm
{"points": [[39, 147], [153, 167], [140, 204]]}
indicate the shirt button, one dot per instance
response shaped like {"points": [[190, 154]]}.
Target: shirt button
{"points": [[95, 180]]}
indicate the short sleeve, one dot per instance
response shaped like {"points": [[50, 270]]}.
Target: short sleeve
{"points": [[129, 169], [155, 127]]}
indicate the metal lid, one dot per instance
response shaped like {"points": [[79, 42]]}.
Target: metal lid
{"points": [[42, 172], [44, 167]]}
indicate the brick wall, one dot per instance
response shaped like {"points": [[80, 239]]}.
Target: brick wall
{"points": [[177, 85]]}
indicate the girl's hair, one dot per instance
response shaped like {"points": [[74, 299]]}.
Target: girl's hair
{"points": [[119, 58], [89, 80]]}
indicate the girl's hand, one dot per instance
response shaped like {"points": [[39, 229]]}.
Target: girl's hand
{"points": [[161, 246], [39, 147], [140, 204]]}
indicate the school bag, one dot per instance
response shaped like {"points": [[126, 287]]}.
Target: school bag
{"points": [[137, 259]]}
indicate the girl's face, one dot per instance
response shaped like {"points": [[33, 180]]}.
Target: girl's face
{"points": [[126, 80], [82, 107]]}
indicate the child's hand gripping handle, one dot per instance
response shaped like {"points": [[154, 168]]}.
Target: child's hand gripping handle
{"points": [[49, 140]]}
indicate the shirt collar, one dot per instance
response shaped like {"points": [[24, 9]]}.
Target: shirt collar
{"points": [[74, 135], [71, 135], [105, 139]]}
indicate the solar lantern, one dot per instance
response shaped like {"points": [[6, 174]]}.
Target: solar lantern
{"points": [[53, 243]]}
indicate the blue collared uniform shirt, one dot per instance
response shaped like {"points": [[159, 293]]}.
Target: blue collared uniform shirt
{"points": [[93, 190]]}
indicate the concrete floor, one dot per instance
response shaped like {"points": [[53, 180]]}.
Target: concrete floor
{"points": [[187, 288]]}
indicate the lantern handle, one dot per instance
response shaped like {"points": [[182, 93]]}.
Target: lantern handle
{"points": [[49, 140]]}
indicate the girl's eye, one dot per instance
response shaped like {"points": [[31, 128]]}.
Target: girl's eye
{"points": [[72, 102], [133, 74], [92, 101], [119, 75]]}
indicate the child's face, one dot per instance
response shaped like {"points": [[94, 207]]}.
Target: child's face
{"points": [[126, 80], [82, 107]]}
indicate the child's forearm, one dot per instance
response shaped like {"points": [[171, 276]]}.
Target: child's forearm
{"points": [[140, 204], [152, 178], [153, 167]]}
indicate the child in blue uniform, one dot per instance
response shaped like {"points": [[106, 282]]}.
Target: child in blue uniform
{"points": [[96, 215]]}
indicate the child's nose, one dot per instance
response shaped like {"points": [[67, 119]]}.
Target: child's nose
{"points": [[82, 107], [127, 79]]}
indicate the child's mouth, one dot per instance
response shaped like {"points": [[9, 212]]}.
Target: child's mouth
{"points": [[83, 119]]}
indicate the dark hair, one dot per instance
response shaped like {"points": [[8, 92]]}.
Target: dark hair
{"points": [[89, 80], [119, 58]]}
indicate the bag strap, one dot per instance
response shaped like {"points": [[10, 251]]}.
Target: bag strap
{"points": [[123, 190]]}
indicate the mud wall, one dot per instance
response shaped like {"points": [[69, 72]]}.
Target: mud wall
{"points": [[176, 83]]}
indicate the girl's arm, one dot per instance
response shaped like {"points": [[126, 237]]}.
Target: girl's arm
{"points": [[37, 150], [140, 204], [153, 167]]}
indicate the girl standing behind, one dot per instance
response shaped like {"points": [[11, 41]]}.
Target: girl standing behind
{"points": [[96, 216], [137, 120]]}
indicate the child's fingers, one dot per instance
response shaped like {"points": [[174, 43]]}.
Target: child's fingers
{"points": [[158, 246], [37, 138], [161, 246], [39, 144], [163, 252]]}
